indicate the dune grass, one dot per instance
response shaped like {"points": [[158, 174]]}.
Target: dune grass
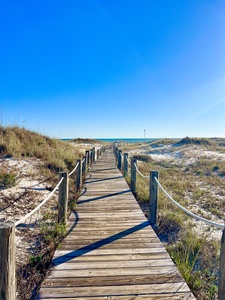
{"points": [[198, 184], [50, 156], [57, 155]]}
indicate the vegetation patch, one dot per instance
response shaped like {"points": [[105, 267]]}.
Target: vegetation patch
{"points": [[87, 141], [144, 158], [21, 143], [193, 141], [7, 179], [26, 156], [196, 181], [162, 142]]}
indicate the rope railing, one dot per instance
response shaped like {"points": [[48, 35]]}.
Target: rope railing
{"points": [[7, 230], [127, 161], [74, 169], [154, 185], [168, 196], [143, 176], [40, 205], [187, 211]]}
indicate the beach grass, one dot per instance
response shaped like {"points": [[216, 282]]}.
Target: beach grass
{"points": [[196, 181]]}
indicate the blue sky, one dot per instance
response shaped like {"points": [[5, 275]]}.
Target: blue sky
{"points": [[113, 68]]}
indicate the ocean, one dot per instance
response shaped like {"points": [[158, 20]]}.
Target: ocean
{"points": [[125, 140]]}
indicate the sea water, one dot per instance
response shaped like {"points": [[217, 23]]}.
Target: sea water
{"points": [[126, 140]]}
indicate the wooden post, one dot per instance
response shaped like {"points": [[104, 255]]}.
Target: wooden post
{"points": [[91, 158], [117, 155], [84, 168], [7, 261], [119, 161], [98, 153], [78, 175], [153, 199], [114, 149], [63, 198], [221, 287], [125, 164], [115, 152], [133, 176], [87, 154], [93, 152]]}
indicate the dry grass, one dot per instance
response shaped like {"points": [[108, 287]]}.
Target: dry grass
{"points": [[21, 143], [30, 164], [193, 174]]}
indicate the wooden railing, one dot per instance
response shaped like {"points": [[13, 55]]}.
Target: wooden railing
{"points": [[7, 229]]}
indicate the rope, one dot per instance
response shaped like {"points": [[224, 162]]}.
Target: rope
{"points": [[127, 161], [40, 205], [74, 169], [187, 211], [140, 172]]}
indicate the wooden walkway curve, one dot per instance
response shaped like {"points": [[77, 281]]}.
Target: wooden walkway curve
{"points": [[111, 252]]}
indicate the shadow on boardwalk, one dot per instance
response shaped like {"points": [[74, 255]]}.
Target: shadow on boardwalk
{"points": [[98, 244], [102, 197]]}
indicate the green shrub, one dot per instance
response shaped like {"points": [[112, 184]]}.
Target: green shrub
{"points": [[7, 179]]}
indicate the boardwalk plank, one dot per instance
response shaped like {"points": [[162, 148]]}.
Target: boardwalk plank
{"points": [[168, 296], [112, 280], [143, 289], [111, 251]]}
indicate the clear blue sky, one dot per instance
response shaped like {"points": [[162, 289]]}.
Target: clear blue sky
{"points": [[113, 68]]}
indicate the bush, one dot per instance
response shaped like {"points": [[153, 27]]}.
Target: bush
{"points": [[7, 180]]}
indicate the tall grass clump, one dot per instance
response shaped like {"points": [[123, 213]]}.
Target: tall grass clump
{"points": [[20, 143], [7, 178]]}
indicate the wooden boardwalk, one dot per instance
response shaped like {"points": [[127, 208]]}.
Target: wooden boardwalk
{"points": [[111, 251]]}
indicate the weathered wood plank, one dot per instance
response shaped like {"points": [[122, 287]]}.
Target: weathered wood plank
{"points": [[74, 265], [112, 245], [83, 252], [112, 280], [168, 296], [110, 257], [126, 239], [113, 272], [157, 289], [111, 251]]}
